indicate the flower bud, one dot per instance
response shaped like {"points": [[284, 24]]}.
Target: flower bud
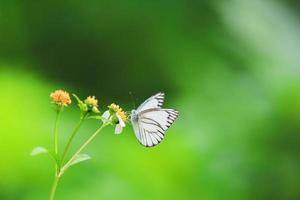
{"points": [[83, 107], [95, 109]]}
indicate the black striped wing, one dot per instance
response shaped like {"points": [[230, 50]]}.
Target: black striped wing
{"points": [[151, 125], [156, 101]]}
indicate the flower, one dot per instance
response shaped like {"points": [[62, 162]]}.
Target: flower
{"points": [[92, 103], [116, 109], [113, 108], [61, 97], [117, 116]]}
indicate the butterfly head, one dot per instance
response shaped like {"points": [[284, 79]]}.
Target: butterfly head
{"points": [[134, 115]]}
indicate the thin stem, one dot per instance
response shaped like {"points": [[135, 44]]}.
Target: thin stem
{"points": [[54, 186], [57, 169], [72, 137], [81, 148], [55, 130]]}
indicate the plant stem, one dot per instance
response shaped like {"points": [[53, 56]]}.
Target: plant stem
{"points": [[57, 168], [55, 130], [54, 186], [65, 167], [72, 137]]}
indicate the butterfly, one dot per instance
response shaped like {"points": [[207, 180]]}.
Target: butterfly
{"points": [[150, 120]]}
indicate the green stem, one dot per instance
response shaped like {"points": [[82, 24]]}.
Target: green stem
{"points": [[65, 167], [57, 169], [54, 186], [72, 137], [55, 130]]}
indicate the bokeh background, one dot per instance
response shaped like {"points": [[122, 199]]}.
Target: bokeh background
{"points": [[232, 69]]}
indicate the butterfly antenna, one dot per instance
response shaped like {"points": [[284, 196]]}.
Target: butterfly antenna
{"points": [[132, 99]]}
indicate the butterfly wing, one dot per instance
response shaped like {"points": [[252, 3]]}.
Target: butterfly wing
{"points": [[156, 101], [151, 125]]}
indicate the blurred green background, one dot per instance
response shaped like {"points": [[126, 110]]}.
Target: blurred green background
{"points": [[232, 69]]}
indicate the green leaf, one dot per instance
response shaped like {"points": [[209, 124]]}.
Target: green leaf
{"points": [[77, 98], [38, 150], [79, 158], [43, 150]]}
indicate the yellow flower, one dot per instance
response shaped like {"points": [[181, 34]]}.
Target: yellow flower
{"points": [[122, 114], [91, 101], [116, 115], [114, 107], [61, 97], [118, 111]]}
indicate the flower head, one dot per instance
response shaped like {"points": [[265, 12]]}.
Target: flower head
{"points": [[61, 97], [92, 104], [114, 108], [118, 111], [91, 101], [117, 116]]}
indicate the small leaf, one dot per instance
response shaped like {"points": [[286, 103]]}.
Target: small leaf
{"points": [[38, 150], [77, 98], [79, 158], [43, 150]]}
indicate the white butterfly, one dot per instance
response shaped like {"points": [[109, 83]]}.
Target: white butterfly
{"points": [[150, 121]]}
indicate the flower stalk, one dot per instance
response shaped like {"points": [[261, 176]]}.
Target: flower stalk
{"points": [[58, 113], [88, 110], [54, 187], [76, 129], [90, 139]]}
